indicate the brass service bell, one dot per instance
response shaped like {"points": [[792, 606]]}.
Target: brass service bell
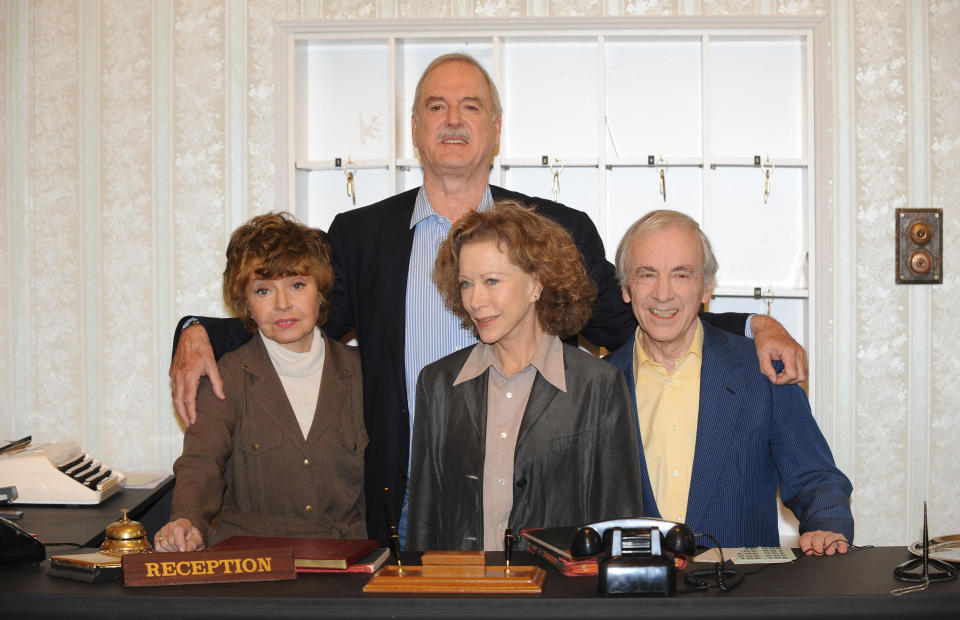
{"points": [[125, 536]]}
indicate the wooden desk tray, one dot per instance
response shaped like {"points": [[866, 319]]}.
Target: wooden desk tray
{"points": [[520, 580]]}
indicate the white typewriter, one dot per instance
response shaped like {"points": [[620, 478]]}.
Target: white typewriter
{"points": [[58, 473]]}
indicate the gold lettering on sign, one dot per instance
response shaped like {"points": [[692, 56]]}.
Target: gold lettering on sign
{"points": [[209, 567]]}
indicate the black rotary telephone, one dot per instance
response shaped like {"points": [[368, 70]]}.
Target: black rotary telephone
{"points": [[636, 557]]}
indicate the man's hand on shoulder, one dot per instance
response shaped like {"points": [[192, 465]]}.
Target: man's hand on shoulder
{"points": [[819, 542], [775, 343], [193, 359]]}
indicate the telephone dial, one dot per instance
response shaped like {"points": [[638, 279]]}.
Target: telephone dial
{"points": [[636, 557]]}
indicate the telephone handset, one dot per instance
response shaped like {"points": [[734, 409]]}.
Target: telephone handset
{"points": [[637, 557], [635, 539]]}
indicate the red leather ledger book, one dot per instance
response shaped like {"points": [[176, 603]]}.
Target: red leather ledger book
{"points": [[308, 553], [366, 565], [553, 546]]}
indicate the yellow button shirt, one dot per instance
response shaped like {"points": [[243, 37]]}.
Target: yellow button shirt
{"points": [[668, 404]]}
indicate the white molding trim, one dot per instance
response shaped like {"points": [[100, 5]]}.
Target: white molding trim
{"points": [[920, 314], [311, 9], [284, 64], [386, 9], [844, 280], [18, 213], [821, 222], [815, 136], [538, 7], [603, 209], [614, 7], [89, 173], [235, 116], [169, 447], [585, 26], [688, 7], [461, 8]]}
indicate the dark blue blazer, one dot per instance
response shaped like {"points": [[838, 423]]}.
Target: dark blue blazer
{"points": [[752, 436]]}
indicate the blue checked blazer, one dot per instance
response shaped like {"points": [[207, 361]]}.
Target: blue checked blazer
{"points": [[752, 436]]}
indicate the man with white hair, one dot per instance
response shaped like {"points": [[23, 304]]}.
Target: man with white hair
{"points": [[716, 437]]}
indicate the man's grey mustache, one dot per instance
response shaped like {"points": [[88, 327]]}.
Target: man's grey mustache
{"points": [[455, 133]]}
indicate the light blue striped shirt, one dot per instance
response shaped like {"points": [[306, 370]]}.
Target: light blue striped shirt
{"points": [[431, 330]]}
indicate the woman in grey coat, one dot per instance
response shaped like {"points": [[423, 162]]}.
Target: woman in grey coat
{"points": [[520, 430]]}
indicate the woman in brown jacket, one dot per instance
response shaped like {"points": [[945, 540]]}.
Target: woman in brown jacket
{"points": [[282, 455]]}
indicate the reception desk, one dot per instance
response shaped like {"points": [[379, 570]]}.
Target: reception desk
{"points": [[856, 585]]}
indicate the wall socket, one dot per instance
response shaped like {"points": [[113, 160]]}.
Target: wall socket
{"points": [[919, 246]]}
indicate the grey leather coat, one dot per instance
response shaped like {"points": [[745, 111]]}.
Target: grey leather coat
{"points": [[576, 458]]}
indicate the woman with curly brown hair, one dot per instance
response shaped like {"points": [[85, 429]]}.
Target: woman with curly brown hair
{"points": [[520, 430], [282, 455]]}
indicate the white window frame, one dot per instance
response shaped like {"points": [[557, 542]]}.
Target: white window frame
{"points": [[817, 145]]}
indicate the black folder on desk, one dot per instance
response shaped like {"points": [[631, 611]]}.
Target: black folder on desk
{"points": [[90, 567]]}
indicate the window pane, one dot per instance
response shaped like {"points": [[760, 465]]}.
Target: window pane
{"points": [[634, 192], [578, 186], [323, 193], [550, 98], [756, 97], [409, 178], [653, 97], [343, 116], [790, 312], [758, 244]]}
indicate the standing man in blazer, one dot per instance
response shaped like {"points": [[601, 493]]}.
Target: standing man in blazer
{"points": [[383, 255], [716, 438]]}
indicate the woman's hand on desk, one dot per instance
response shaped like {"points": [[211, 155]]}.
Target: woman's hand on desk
{"points": [[179, 535]]}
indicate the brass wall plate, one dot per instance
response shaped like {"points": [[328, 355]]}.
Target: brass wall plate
{"points": [[919, 246]]}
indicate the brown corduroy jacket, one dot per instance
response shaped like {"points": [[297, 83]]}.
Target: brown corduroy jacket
{"points": [[246, 468]]}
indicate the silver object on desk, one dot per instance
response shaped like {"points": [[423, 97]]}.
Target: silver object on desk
{"points": [[943, 548]]}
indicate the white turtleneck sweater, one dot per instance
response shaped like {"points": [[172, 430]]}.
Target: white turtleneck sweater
{"points": [[300, 375]]}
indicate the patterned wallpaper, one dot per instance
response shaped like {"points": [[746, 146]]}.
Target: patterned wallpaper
{"points": [[880, 109], [138, 134], [52, 291]]}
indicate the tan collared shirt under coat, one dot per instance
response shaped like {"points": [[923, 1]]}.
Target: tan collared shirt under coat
{"points": [[506, 401]]}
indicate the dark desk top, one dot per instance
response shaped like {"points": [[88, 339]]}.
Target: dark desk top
{"points": [[855, 585], [84, 525]]}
